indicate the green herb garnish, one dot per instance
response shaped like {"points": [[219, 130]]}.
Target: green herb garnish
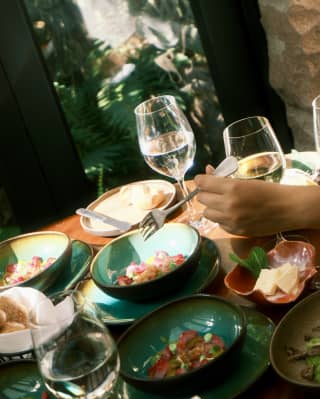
{"points": [[173, 347], [256, 260], [207, 337]]}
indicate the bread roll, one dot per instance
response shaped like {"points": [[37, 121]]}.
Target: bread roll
{"points": [[14, 311], [3, 318], [11, 326], [141, 196]]}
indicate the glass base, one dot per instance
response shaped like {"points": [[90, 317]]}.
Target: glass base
{"points": [[199, 222]]}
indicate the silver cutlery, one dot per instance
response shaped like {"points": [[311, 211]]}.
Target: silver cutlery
{"points": [[119, 224]]}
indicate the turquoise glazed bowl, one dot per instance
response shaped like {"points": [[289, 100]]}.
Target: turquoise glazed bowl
{"points": [[149, 335], [46, 244], [112, 260]]}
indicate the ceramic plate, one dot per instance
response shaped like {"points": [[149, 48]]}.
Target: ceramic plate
{"points": [[22, 381], [78, 267], [309, 158], [110, 204], [118, 311]]}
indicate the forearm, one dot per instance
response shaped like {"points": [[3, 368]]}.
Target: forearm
{"points": [[307, 202], [258, 208]]}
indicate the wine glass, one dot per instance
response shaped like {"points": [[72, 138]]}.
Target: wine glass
{"points": [[316, 121], [253, 142], [168, 146], [165, 138], [76, 354]]}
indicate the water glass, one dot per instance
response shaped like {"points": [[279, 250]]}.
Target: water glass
{"points": [[166, 139], [168, 146], [76, 354], [316, 121]]}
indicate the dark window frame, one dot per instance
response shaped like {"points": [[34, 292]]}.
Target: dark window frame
{"points": [[236, 49], [39, 166]]}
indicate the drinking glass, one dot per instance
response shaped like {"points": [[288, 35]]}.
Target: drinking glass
{"points": [[168, 146], [165, 138], [316, 121], [253, 142], [76, 354]]}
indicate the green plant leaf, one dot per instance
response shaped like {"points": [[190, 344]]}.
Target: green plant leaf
{"points": [[256, 260]]}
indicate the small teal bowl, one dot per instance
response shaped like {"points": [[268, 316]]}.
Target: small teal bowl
{"points": [[203, 313], [112, 260], [44, 244]]}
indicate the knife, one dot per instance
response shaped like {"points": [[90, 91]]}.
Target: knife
{"points": [[119, 224]]}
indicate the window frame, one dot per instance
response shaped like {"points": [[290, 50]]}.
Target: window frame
{"points": [[40, 168], [237, 56]]}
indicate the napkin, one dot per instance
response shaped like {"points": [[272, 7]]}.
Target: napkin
{"points": [[41, 312], [20, 341], [305, 160], [297, 177]]}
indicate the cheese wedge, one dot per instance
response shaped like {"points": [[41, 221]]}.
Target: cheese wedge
{"points": [[288, 278], [284, 278], [267, 281]]}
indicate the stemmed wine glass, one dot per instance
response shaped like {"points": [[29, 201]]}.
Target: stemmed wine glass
{"points": [[316, 121], [165, 136], [166, 139], [76, 354], [253, 142]]}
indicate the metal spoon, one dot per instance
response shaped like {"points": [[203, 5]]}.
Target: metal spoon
{"points": [[227, 167]]}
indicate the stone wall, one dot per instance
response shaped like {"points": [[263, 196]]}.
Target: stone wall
{"points": [[292, 29]]}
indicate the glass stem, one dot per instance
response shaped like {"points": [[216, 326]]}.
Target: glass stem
{"points": [[185, 192]]}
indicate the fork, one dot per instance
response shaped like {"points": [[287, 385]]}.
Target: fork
{"points": [[156, 218]]}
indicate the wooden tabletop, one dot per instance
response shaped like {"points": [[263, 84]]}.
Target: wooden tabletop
{"points": [[269, 386]]}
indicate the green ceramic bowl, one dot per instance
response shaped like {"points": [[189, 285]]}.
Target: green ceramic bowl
{"points": [[300, 322], [149, 335], [44, 244], [113, 259]]}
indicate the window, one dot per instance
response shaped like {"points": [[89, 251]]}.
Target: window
{"points": [[105, 57], [71, 73]]}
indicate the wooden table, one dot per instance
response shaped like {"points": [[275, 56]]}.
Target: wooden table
{"points": [[269, 386]]}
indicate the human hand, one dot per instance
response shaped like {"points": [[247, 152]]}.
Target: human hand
{"points": [[254, 207]]}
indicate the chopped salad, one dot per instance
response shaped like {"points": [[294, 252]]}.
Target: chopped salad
{"points": [[24, 270], [157, 265], [190, 351], [309, 356]]}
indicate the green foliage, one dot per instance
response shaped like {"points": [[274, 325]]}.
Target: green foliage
{"points": [[9, 231], [256, 260], [101, 116], [100, 109]]}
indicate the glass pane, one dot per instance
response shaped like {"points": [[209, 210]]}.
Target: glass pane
{"points": [[8, 225], [105, 57]]}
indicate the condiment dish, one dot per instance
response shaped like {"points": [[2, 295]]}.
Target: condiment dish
{"points": [[299, 253]]}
